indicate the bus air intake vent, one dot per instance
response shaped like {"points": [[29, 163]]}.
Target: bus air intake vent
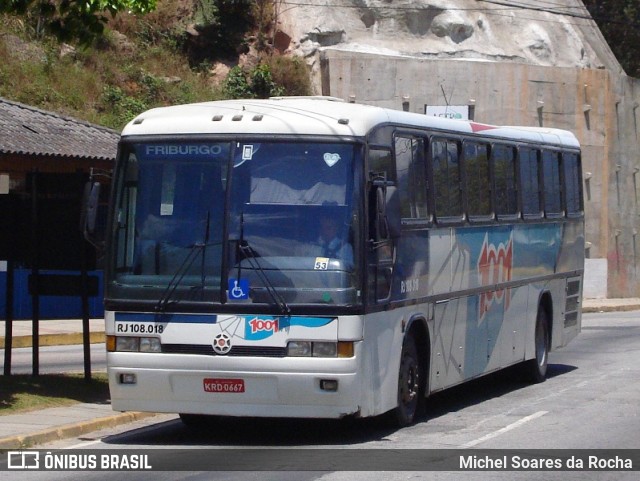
{"points": [[241, 351], [572, 302]]}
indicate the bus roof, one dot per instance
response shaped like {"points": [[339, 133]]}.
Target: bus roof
{"points": [[314, 116]]}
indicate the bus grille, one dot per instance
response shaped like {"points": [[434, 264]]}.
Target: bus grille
{"points": [[207, 350]]}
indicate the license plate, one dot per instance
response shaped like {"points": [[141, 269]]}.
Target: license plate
{"points": [[223, 385]]}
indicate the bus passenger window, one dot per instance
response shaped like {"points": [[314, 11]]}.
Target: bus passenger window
{"points": [[530, 179], [412, 177], [504, 171], [446, 179], [551, 182], [571, 169], [476, 162]]}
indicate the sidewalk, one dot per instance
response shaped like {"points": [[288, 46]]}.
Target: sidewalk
{"points": [[52, 332], [21, 431], [39, 427], [29, 429], [611, 305]]}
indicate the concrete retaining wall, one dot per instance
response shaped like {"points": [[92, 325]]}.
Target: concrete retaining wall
{"points": [[599, 106]]}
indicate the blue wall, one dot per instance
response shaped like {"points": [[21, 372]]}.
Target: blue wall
{"points": [[63, 307]]}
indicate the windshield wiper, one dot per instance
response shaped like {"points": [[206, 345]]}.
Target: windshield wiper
{"points": [[252, 259], [181, 271], [184, 267]]}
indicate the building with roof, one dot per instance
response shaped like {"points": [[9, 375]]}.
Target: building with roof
{"points": [[45, 161]]}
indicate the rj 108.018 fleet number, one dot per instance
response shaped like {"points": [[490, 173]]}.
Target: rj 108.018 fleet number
{"points": [[139, 328]]}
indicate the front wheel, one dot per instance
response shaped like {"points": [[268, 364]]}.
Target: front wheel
{"points": [[411, 385], [536, 368]]}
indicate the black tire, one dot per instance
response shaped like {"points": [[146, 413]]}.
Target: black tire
{"points": [[411, 385], [536, 368]]}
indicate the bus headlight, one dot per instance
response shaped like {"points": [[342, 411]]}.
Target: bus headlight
{"points": [[133, 344], [320, 349], [127, 344], [299, 348], [324, 349], [149, 344]]}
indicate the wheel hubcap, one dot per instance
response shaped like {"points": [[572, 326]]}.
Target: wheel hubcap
{"points": [[410, 385]]}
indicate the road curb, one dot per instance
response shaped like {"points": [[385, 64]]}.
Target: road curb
{"points": [[617, 308], [70, 430], [64, 339]]}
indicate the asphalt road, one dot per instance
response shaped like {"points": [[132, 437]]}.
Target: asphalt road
{"points": [[589, 401], [57, 359]]}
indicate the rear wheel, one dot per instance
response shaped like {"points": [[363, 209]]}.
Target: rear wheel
{"points": [[536, 368], [411, 384]]}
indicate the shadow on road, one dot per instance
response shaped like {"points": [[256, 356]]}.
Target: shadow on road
{"points": [[483, 389]]}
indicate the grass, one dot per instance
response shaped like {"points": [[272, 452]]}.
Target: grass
{"points": [[79, 85], [141, 62], [23, 393]]}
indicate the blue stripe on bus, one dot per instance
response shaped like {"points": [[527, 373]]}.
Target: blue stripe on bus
{"points": [[166, 317]]}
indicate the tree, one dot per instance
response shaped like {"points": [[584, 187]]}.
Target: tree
{"points": [[619, 22], [81, 20], [256, 84]]}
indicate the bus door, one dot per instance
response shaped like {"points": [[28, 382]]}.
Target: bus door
{"points": [[382, 248]]}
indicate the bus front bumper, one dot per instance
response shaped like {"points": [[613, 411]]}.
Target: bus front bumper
{"points": [[260, 387]]}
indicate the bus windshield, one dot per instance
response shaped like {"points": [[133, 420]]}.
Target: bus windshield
{"points": [[235, 222]]}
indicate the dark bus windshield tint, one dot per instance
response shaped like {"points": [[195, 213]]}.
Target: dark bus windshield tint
{"points": [[289, 222]]}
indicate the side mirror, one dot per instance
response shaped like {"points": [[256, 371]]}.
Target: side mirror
{"points": [[382, 225]]}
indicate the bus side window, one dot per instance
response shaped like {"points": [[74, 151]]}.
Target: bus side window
{"points": [[551, 183], [503, 160], [572, 183], [530, 180], [412, 177], [478, 181], [447, 181]]}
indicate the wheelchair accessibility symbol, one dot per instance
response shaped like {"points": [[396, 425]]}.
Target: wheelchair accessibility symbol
{"points": [[238, 289]]}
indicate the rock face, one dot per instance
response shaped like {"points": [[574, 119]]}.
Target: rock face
{"points": [[543, 33]]}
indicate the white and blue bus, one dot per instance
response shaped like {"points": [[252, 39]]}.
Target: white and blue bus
{"points": [[307, 257]]}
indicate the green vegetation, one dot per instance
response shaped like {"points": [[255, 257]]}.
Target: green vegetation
{"points": [[273, 77], [73, 20], [255, 84], [22, 393], [175, 54], [619, 21], [130, 55], [107, 84]]}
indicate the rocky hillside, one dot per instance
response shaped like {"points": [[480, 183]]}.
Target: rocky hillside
{"points": [[185, 51], [192, 50], [537, 32]]}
